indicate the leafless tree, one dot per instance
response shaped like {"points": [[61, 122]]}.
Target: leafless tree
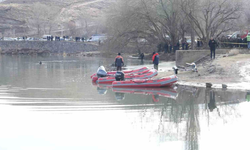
{"points": [[43, 18], [72, 28], [211, 18], [155, 21]]}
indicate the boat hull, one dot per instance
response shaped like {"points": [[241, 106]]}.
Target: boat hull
{"points": [[164, 92], [163, 82]]}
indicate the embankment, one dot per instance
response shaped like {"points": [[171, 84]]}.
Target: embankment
{"points": [[39, 47], [182, 57]]}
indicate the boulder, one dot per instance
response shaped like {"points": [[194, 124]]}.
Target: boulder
{"points": [[224, 86], [208, 85]]}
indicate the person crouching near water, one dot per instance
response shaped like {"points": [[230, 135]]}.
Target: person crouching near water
{"points": [[119, 62], [155, 59]]}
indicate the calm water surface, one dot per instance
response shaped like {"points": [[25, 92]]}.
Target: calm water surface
{"points": [[54, 106]]}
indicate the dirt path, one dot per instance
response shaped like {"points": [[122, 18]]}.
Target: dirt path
{"points": [[78, 4]]}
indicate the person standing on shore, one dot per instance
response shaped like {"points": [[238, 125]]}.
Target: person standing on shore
{"points": [[155, 59], [248, 40], [119, 62], [212, 44], [141, 56]]}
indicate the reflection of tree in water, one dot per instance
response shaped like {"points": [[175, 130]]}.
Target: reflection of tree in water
{"points": [[223, 104], [179, 119], [193, 127]]}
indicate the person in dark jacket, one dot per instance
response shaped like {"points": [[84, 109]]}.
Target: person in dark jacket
{"points": [[178, 45], [183, 44], [166, 47], [212, 44], [141, 56], [119, 62], [159, 47], [155, 60]]}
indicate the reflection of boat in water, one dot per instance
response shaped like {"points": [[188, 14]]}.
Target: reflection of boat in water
{"points": [[164, 92], [168, 92], [101, 91]]}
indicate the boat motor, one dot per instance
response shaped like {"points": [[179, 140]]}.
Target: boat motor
{"points": [[101, 72], [119, 76]]}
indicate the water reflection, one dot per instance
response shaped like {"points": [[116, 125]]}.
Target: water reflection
{"points": [[211, 104], [163, 117], [183, 107], [119, 96]]}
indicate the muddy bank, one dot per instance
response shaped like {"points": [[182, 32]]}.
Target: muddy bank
{"points": [[230, 69]]}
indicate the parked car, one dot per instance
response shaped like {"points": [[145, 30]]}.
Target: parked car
{"points": [[19, 39], [62, 39], [30, 39], [8, 39]]}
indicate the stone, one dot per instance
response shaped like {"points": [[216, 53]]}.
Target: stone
{"points": [[209, 85], [224, 86]]}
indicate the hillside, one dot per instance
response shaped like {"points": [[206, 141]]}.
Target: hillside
{"points": [[22, 17]]}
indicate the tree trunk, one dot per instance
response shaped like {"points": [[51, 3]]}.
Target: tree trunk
{"points": [[192, 39]]}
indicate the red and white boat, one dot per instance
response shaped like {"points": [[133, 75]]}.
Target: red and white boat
{"points": [[125, 71], [111, 79], [140, 83]]}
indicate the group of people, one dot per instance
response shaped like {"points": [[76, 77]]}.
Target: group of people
{"points": [[79, 39], [168, 48], [119, 62]]}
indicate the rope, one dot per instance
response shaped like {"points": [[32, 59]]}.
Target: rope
{"points": [[233, 43]]}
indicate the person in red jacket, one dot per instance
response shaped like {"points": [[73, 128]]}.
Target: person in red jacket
{"points": [[155, 59], [119, 62]]}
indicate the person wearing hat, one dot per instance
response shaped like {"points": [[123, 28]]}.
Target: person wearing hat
{"points": [[119, 62], [155, 60]]}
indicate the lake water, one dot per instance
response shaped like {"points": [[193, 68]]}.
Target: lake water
{"points": [[54, 106]]}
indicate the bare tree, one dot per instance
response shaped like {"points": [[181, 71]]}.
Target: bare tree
{"points": [[155, 21], [89, 24], [211, 18], [167, 20], [72, 27], [43, 17]]}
